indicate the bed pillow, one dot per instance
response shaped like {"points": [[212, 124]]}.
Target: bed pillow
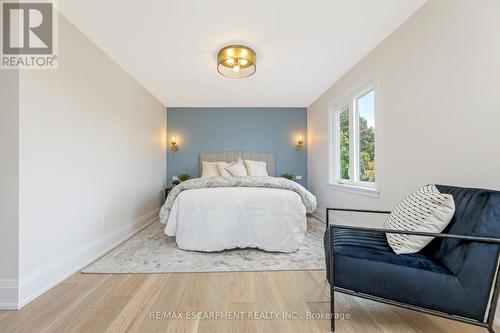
{"points": [[209, 169], [237, 169], [425, 210], [222, 168], [256, 168]]}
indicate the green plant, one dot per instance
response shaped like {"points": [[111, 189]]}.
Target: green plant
{"points": [[366, 148], [288, 175], [184, 176]]}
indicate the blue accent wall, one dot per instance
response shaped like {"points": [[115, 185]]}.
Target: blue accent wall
{"points": [[203, 130]]}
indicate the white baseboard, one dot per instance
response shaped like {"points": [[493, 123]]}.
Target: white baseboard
{"points": [[37, 283], [322, 217], [320, 211], [318, 216], [8, 294], [9, 306]]}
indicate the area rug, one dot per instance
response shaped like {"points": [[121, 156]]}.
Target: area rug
{"points": [[151, 251]]}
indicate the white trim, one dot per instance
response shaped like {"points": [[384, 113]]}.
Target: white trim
{"points": [[355, 130], [361, 190], [8, 294], [350, 97], [332, 132], [370, 78], [9, 306], [320, 211], [37, 283], [320, 215]]}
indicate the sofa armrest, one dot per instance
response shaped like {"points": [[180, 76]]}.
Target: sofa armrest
{"points": [[352, 210], [419, 233], [358, 210]]}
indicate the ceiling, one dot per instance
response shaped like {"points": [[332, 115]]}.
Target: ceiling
{"points": [[302, 47]]}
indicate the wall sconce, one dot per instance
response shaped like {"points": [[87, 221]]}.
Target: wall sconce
{"points": [[175, 147], [300, 144]]}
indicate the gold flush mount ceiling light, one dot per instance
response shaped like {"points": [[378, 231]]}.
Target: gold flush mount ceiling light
{"points": [[236, 61]]}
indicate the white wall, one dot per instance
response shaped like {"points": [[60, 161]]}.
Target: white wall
{"points": [[92, 161], [439, 106], [9, 187]]}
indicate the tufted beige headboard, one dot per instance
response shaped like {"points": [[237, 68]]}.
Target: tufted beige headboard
{"points": [[228, 156]]}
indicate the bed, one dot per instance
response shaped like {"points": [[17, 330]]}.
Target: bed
{"points": [[221, 213]]}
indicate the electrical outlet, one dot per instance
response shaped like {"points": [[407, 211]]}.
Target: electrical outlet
{"points": [[298, 177], [104, 220]]}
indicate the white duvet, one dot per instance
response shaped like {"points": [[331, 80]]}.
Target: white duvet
{"points": [[220, 218]]}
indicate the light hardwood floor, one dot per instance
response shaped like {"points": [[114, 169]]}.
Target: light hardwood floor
{"points": [[124, 303]]}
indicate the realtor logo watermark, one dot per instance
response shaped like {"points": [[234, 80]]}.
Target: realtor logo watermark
{"points": [[29, 35]]}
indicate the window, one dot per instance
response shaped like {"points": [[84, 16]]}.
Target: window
{"points": [[353, 140]]}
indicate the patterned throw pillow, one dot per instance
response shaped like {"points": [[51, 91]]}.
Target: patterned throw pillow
{"points": [[222, 168], [237, 169], [425, 210]]}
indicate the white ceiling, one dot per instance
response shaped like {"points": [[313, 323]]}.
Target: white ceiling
{"points": [[302, 47]]}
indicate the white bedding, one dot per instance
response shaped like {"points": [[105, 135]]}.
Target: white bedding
{"points": [[220, 218]]}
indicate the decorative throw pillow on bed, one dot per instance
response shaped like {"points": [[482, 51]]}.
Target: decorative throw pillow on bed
{"points": [[237, 169], [425, 210], [222, 168], [209, 169], [256, 168]]}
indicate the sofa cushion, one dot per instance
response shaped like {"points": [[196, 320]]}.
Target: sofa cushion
{"points": [[365, 263], [374, 246]]}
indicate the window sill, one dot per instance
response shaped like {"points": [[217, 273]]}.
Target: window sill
{"points": [[366, 191]]}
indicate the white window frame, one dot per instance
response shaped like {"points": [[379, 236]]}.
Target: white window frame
{"points": [[351, 97]]}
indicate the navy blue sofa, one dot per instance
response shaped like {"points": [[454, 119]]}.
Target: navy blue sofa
{"points": [[455, 276]]}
